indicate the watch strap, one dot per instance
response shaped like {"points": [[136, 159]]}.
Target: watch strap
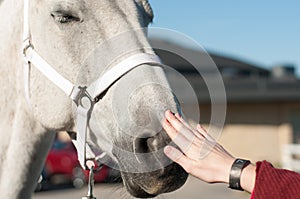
{"points": [[235, 173]]}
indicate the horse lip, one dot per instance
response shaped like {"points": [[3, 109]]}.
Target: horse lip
{"points": [[153, 190], [135, 190], [143, 191]]}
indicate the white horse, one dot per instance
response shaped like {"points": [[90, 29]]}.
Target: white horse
{"points": [[68, 35]]}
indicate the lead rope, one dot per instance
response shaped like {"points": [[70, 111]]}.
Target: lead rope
{"points": [[90, 185], [92, 169]]}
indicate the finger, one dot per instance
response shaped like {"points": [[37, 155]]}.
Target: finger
{"points": [[178, 125], [188, 126], [173, 120], [176, 156], [208, 143], [183, 128], [180, 118], [208, 137], [172, 133], [178, 138], [201, 130]]}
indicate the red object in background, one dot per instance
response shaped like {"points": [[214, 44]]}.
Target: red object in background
{"points": [[62, 166]]}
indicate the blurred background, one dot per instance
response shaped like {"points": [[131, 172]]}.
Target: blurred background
{"points": [[256, 48], [261, 32]]}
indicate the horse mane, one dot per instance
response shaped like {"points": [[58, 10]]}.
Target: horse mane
{"points": [[147, 8]]}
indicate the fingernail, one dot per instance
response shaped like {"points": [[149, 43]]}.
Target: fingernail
{"points": [[172, 153], [168, 150], [168, 113]]}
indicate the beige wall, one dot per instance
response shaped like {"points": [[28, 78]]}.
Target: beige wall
{"points": [[256, 142], [255, 130]]}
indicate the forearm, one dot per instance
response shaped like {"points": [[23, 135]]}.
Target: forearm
{"points": [[248, 178]]}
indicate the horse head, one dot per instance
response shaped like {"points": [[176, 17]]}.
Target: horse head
{"points": [[84, 39]]}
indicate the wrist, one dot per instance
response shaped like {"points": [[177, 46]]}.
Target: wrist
{"points": [[236, 171], [248, 177], [224, 173]]}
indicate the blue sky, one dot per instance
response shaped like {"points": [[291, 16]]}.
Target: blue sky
{"points": [[263, 32]]}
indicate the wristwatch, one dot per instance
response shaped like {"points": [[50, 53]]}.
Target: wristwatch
{"points": [[235, 173]]}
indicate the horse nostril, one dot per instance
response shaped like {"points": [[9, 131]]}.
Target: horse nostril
{"points": [[149, 154], [140, 145], [145, 145]]}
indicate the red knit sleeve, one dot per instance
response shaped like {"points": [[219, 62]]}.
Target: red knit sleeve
{"points": [[272, 183]]}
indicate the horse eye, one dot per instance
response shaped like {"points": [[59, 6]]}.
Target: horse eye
{"points": [[64, 18]]}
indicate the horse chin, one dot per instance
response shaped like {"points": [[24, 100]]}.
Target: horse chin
{"points": [[151, 184], [137, 191]]}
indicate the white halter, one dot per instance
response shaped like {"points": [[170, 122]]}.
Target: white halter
{"points": [[79, 94]]}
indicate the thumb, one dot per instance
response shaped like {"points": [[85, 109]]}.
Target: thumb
{"points": [[176, 156], [172, 153]]}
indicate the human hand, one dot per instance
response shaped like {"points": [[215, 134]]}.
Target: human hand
{"points": [[214, 167]]}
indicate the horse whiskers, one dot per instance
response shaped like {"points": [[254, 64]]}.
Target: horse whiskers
{"points": [[118, 192], [117, 179]]}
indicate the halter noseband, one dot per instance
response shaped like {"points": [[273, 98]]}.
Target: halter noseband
{"points": [[81, 95]]}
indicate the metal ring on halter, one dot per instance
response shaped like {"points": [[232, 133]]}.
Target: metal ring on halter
{"points": [[78, 93]]}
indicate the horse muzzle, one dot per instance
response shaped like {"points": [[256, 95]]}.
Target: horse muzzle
{"points": [[150, 172], [146, 185]]}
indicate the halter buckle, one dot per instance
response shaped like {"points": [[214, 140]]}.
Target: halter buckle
{"points": [[26, 44]]}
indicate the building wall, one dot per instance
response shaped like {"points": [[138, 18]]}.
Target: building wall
{"points": [[256, 130], [256, 142]]}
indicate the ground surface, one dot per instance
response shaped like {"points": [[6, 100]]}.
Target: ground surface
{"points": [[193, 189]]}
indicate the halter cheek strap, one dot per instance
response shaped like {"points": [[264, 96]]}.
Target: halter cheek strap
{"points": [[80, 95]]}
